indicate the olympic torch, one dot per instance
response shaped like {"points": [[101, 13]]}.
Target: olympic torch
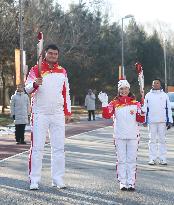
{"points": [[139, 70], [40, 51]]}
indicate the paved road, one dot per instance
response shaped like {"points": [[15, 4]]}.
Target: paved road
{"points": [[90, 175], [8, 145]]}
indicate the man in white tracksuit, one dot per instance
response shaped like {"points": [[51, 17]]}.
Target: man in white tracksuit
{"points": [[51, 108], [158, 117]]}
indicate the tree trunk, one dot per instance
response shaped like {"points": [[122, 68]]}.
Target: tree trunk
{"points": [[3, 92], [7, 97], [73, 100]]}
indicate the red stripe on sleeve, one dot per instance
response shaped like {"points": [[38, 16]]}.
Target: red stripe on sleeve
{"points": [[66, 112]]}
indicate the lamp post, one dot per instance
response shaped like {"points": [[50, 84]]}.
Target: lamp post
{"points": [[21, 40], [122, 44], [165, 67]]}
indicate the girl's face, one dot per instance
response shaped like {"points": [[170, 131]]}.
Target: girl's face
{"points": [[124, 91]]}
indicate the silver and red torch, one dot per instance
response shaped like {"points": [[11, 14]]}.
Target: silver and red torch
{"points": [[139, 70], [40, 51]]}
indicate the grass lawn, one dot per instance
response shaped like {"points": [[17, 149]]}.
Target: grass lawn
{"points": [[5, 119]]}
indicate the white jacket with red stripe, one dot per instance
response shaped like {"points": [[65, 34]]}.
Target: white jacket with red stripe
{"points": [[127, 113], [52, 97]]}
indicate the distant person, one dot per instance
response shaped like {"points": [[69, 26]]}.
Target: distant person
{"points": [[20, 111], [127, 114], [158, 117], [90, 104]]}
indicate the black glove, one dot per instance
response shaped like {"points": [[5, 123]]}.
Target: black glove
{"points": [[169, 125], [13, 117]]}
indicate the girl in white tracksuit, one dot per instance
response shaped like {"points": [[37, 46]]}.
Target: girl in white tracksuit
{"points": [[158, 115], [127, 113]]}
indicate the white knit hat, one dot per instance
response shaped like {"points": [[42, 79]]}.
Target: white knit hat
{"points": [[123, 83]]}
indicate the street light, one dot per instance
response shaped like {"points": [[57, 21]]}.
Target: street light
{"points": [[165, 67], [21, 40], [122, 44]]}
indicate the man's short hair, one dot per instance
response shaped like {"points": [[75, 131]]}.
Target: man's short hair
{"points": [[52, 46], [158, 80]]}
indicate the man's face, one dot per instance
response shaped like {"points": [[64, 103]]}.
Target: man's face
{"points": [[89, 92], [124, 91], [52, 56], [20, 88], [156, 85]]}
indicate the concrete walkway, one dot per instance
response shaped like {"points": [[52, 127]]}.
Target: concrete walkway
{"points": [[90, 175]]}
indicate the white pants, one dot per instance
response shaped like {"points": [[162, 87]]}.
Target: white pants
{"points": [[157, 133], [55, 126], [126, 160]]}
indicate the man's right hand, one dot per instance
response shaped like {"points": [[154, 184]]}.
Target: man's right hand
{"points": [[38, 81], [169, 125], [144, 124]]}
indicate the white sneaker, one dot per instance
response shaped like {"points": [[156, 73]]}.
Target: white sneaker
{"points": [[123, 187], [163, 162], [152, 162], [59, 186], [34, 186], [131, 187]]}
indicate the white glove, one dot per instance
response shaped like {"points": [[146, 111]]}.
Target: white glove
{"points": [[103, 97]]}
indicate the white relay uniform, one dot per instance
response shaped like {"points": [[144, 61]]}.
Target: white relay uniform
{"points": [[50, 104], [158, 113], [127, 114]]}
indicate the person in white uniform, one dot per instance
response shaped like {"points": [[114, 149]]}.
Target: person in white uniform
{"points": [[51, 108], [127, 113], [158, 118]]}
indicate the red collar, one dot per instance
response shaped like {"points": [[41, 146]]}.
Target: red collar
{"points": [[125, 99], [46, 67], [122, 101]]}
